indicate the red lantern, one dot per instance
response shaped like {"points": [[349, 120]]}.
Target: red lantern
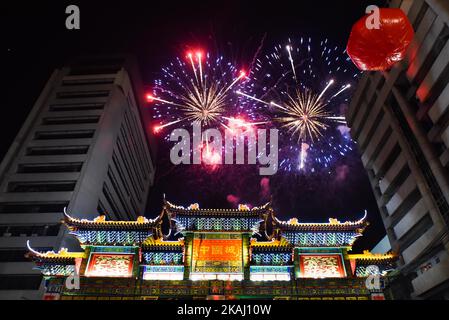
{"points": [[379, 49]]}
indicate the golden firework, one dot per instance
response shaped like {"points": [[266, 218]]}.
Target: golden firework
{"points": [[204, 104], [305, 115]]}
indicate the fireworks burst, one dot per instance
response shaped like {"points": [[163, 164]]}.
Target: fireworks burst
{"points": [[306, 115], [295, 86], [198, 88]]}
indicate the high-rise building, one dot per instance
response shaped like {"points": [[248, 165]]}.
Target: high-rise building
{"points": [[84, 147], [400, 119]]}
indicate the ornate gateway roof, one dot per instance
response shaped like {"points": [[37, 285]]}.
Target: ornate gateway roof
{"points": [[331, 234], [100, 223], [195, 219], [194, 209], [99, 231], [333, 225]]}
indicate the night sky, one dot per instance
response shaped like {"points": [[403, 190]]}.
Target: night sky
{"points": [[35, 42]]}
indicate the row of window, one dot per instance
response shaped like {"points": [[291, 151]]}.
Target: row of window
{"points": [[85, 82], [131, 170], [380, 146], [396, 183], [33, 207], [50, 167], [118, 188], [138, 139], [70, 120], [29, 231], [18, 255], [373, 129], [365, 116], [64, 134], [41, 186], [415, 232], [420, 158], [56, 150], [76, 107], [82, 94], [124, 146], [20, 282]]}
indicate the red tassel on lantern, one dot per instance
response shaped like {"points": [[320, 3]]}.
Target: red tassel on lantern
{"points": [[379, 49]]}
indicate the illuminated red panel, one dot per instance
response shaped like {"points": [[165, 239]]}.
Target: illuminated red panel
{"points": [[321, 266], [215, 255], [217, 250], [110, 265]]}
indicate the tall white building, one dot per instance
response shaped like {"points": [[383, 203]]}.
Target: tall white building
{"points": [[400, 119], [83, 146]]}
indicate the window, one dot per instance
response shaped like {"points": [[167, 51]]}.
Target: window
{"points": [[73, 134], [32, 207], [403, 174], [438, 87], [17, 255], [70, 120], [118, 191], [366, 113], [406, 205], [420, 16], [83, 70], [41, 186], [373, 129], [20, 282], [392, 157], [432, 56], [123, 155], [412, 235], [52, 151], [110, 199], [380, 146], [76, 107], [82, 94], [82, 82], [50, 167], [362, 98], [30, 231]]}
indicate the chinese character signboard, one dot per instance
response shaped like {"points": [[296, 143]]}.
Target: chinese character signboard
{"points": [[217, 254], [321, 266], [110, 265]]}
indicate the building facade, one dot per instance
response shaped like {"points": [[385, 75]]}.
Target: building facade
{"points": [[213, 254], [83, 147], [399, 119]]}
